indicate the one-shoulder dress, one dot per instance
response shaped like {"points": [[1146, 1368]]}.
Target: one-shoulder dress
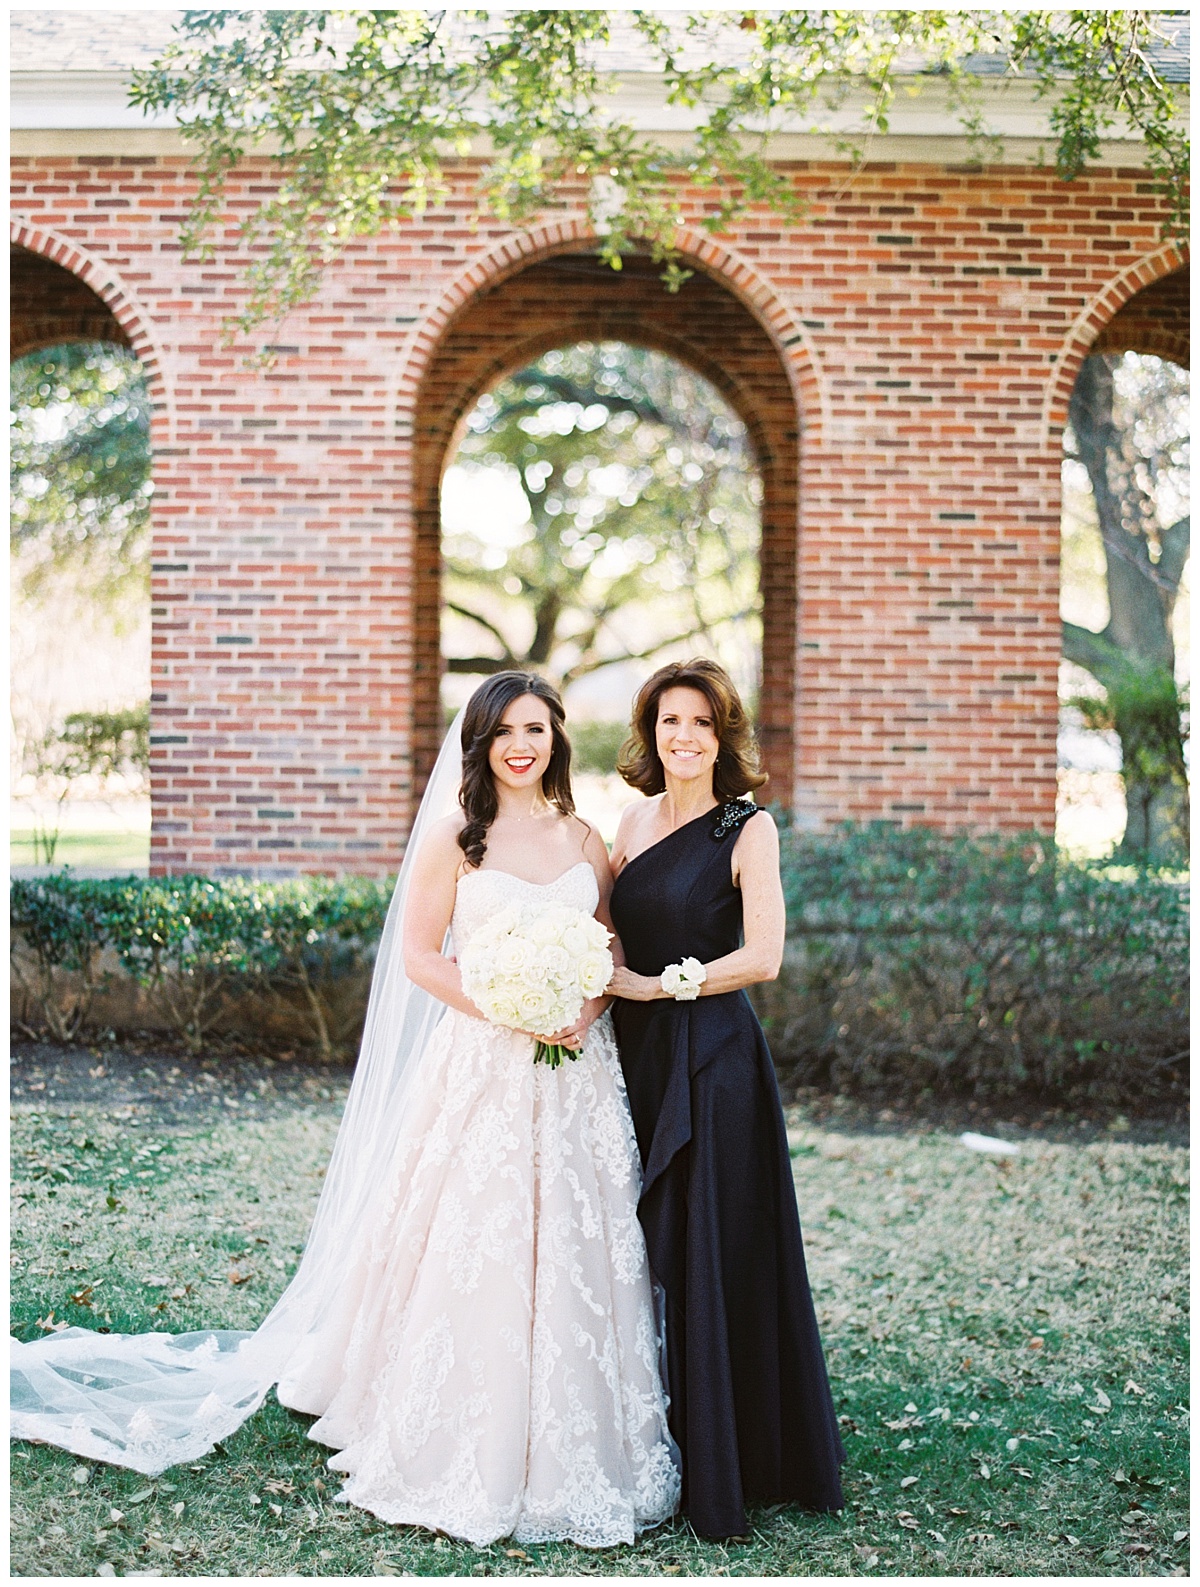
{"points": [[751, 1408]]}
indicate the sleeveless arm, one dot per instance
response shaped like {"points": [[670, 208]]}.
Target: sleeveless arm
{"points": [[427, 918]]}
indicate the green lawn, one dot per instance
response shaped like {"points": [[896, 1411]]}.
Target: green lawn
{"points": [[1007, 1341], [114, 850]]}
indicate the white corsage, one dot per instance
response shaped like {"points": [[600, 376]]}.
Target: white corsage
{"points": [[683, 981]]}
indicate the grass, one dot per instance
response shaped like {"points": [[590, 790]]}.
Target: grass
{"points": [[1006, 1337], [114, 850]]}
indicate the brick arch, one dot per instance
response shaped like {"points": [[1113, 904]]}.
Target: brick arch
{"points": [[112, 306], [584, 330], [1092, 322], [574, 234], [537, 299]]}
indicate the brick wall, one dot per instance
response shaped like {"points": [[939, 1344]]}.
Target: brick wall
{"points": [[903, 360]]}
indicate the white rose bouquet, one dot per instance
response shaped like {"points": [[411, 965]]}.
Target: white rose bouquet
{"points": [[533, 969]]}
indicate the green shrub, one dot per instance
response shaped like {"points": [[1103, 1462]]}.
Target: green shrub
{"points": [[187, 939], [63, 924], [979, 966], [987, 966], [196, 945], [319, 934]]}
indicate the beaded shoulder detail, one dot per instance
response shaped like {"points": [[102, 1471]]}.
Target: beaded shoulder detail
{"points": [[733, 816]]}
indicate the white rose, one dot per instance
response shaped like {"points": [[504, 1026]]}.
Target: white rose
{"points": [[594, 971], [544, 929], [511, 957], [555, 963]]}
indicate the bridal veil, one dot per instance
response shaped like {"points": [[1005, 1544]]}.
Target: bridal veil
{"points": [[152, 1400]]}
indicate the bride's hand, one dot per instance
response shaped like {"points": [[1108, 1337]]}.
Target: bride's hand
{"points": [[572, 1036], [635, 988]]}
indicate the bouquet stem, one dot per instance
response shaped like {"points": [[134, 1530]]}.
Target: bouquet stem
{"points": [[552, 1054]]}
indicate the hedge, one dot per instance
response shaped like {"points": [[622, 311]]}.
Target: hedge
{"points": [[976, 966], [979, 966], [196, 945]]}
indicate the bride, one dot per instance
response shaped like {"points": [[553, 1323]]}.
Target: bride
{"points": [[472, 1320]]}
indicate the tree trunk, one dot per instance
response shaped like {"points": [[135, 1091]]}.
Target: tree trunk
{"points": [[1141, 598]]}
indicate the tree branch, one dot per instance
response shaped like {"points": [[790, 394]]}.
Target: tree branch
{"points": [[1096, 653], [475, 617], [1176, 544]]}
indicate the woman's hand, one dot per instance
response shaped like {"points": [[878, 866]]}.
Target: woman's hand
{"points": [[572, 1036], [635, 988]]}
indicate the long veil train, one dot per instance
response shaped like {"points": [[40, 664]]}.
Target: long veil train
{"points": [[152, 1400]]}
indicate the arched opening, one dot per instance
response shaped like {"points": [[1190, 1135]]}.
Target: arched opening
{"points": [[600, 515], [569, 299], [1125, 596], [80, 489]]}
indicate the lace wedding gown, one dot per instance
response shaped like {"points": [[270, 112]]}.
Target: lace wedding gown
{"points": [[498, 1371], [483, 1354]]}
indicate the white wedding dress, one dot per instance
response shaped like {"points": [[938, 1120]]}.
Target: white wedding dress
{"points": [[498, 1372], [472, 1319]]}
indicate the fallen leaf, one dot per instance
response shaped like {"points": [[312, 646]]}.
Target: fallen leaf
{"points": [[929, 1532], [81, 1473], [1132, 1388], [1103, 1402], [1073, 1541], [1119, 1476], [83, 1297], [954, 1510], [275, 1509], [519, 1553], [1178, 1537], [116, 1516], [1022, 1471], [1013, 1445], [178, 1507], [985, 1472], [140, 1496], [105, 1568], [238, 1278], [1037, 1343], [908, 1520], [907, 1482]]}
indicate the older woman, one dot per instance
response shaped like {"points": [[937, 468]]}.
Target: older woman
{"points": [[699, 908]]}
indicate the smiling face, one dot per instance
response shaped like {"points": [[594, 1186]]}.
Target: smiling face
{"points": [[523, 743], [685, 734]]}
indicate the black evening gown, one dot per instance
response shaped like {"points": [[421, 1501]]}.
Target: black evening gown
{"points": [[751, 1409]]}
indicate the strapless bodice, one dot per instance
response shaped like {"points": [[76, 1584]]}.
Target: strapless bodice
{"points": [[482, 893]]}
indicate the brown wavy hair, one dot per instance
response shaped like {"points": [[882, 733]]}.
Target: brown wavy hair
{"points": [[737, 770], [481, 719]]}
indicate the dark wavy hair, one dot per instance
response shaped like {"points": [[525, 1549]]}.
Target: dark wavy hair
{"points": [[737, 770], [477, 791]]}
